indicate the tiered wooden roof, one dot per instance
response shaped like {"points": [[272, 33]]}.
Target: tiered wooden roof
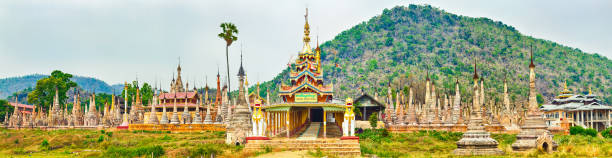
{"points": [[306, 74]]}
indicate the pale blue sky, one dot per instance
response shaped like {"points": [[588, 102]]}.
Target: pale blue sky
{"points": [[117, 40]]}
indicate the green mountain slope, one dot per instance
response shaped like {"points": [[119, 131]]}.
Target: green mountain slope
{"points": [[403, 43], [8, 86]]}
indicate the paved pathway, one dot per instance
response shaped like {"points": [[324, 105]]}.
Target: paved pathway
{"points": [[311, 132]]}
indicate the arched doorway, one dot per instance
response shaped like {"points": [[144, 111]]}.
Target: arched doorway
{"points": [[545, 147]]}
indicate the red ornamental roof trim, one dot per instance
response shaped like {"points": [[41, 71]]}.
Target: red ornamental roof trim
{"points": [[299, 63], [295, 76], [178, 95], [294, 89], [170, 105], [23, 105]]}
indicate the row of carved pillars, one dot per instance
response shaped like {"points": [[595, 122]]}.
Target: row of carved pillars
{"points": [[285, 121]]}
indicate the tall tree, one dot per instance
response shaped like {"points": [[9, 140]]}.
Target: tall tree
{"points": [[5, 108], [45, 89], [147, 94], [228, 34]]}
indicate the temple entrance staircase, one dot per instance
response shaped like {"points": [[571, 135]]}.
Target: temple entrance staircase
{"points": [[308, 141], [311, 132]]}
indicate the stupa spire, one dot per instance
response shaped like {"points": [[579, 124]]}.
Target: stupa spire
{"points": [[475, 70], [531, 65], [306, 28]]}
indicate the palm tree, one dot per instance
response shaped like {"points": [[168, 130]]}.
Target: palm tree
{"points": [[229, 30]]}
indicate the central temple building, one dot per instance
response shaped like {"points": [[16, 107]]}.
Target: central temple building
{"points": [[307, 101]]}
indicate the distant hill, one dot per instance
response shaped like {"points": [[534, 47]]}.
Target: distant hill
{"points": [[10, 85], [405, 42]]}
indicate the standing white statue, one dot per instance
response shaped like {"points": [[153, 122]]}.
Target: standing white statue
{"points": [[348, 125], [259, 123]]}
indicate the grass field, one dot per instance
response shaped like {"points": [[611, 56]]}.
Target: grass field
{"points": [[97, 143], [441, 144]]}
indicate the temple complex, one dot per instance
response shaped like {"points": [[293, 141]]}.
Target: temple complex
{"points": [[569, 109], [307, 115]]}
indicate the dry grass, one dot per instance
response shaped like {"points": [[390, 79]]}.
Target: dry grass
{"points": [[85, 143], [94, 143]]}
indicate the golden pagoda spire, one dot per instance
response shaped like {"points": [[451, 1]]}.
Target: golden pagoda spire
{"points": [[246, 81], [306, 49], [590, 92], [565, 86], [306, 28]]}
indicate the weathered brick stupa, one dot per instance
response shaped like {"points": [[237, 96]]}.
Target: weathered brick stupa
{"points": [[534, 132], [240, 122], [476, 141]]}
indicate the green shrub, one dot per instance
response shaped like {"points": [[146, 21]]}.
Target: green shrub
{"points": [[44, 145], [206, 150], [578, 130], [575, 130], [590, 132], [504, 138], [445, 136], [376, 135], [101, 138], [16, 141], [606, 133], [373, 120], [109, 134], [102, 131]]}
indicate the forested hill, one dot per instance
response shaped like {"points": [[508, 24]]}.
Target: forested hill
{"points": [[8, 86], [400, 44]]}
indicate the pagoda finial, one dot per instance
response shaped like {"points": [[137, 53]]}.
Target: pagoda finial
{"points": [[241, 69], [179, 64], [590, 92], [475, 70], [136, 81], [531, 65], [427, 74], [565, 86], [306, 28], [306, 15]]}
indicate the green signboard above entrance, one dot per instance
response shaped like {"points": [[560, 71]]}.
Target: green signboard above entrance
{"points": [[306, 98]]}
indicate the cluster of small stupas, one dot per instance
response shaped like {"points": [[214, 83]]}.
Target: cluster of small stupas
{"points": [[441, 111], [163, 109], [58, 116], [447, 112]]}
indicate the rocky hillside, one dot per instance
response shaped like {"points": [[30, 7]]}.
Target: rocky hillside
{"points": [[405, 42]]}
